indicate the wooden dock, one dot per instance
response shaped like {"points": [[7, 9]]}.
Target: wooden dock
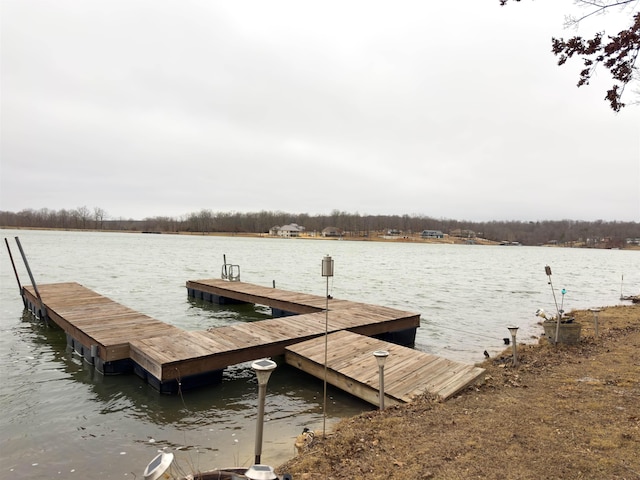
{"points": [[352, 367], [283, 301], [97, 328], [386, 323], [117, 339]]}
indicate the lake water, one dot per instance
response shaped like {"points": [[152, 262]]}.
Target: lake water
{"points": [[61, 419]]}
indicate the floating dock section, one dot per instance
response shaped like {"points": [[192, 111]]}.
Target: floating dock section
{"points": [[385, 323], [96, 327], [117, 339], [352, 367]]}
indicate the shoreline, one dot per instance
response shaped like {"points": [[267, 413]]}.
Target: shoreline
{"points": [[413, 238], [565, 411]]}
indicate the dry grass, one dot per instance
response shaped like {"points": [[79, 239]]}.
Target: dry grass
{"points": [[565, 412]]}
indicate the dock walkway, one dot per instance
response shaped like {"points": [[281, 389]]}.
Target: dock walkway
{"points": [[118, 339], [408, 373]]}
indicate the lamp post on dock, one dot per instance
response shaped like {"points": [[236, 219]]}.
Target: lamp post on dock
{"points": [[327, 271], [263, 369], [381, 357]]}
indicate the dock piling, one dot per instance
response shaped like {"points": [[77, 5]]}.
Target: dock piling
{"points": [[24, 300], [42, 313]]}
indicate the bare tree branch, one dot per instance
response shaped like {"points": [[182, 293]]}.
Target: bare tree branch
{"points": [[618, 54]]}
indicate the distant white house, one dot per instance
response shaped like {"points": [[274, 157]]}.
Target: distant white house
{"points": [[432, 234], [291, 230], [331, 232]]}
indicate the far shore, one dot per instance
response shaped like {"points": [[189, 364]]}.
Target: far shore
{"points": [[374, 237]]}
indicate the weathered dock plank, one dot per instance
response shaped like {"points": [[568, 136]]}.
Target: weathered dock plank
{"points": [[92, 319], [352, 367], [293, 302]]}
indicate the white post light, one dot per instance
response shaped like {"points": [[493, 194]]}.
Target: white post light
{"points": [[263, 369], [381, 357], [513, 331], [327, 271], [595, 318]]}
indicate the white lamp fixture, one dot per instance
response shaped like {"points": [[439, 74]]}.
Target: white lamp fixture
{"points": [[381, 358], [263, 369], [260, 472], [158, 466]]}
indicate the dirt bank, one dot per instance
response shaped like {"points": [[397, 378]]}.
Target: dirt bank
{"points": [[565, 412]]}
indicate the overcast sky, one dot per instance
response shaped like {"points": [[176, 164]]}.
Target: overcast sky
{"points": [[448, 109]]}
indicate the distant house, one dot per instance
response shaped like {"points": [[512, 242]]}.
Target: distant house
{"points": [[432, 234], [462, 233], [331, 232], [274, 231], [291, 230]]}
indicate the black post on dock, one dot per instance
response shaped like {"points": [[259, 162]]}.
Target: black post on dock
{"points": [[43, 311], [24, 300]]}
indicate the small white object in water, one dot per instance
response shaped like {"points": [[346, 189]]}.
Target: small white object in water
{"points": [[123, 453]]}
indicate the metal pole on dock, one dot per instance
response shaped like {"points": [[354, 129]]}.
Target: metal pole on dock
{"points": [[24, 300], [327, 271], [263, 369], [33, 282]]}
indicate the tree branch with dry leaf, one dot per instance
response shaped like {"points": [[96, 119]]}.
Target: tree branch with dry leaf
{"points": [[618, 53]]}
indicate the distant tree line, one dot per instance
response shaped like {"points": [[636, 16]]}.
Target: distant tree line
{"points": [[596, 233]]}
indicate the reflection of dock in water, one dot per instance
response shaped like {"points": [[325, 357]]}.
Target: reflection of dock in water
{"points": [[117, 339]]}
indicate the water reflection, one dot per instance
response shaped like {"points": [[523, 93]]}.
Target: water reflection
{"points": [[219, 315]]}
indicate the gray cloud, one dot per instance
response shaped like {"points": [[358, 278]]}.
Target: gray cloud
{"points": [[446, 109]]}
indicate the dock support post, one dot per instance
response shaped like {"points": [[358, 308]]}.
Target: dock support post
{"points": [[24, 300], [42, 310], [94, 353]]}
